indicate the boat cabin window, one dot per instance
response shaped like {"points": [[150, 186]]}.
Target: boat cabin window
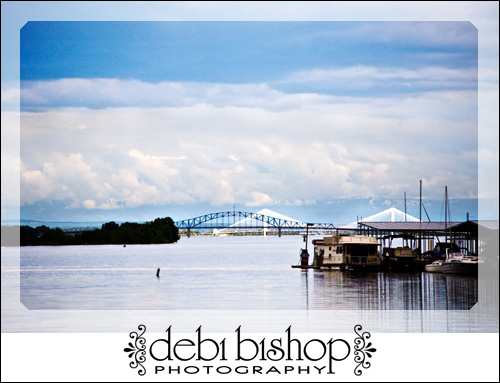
{"points": [[348, 249], [339, 250], [329, 248], [372, 250]]}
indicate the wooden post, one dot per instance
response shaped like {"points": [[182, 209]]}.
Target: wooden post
{"points": [[158, 272]]}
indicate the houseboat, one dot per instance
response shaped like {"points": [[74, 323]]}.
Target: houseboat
{"points": [[399, 259], [402, 257], [353, 252]]}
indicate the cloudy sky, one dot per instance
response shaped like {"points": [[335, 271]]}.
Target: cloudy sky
{"points": [[124, 116]]}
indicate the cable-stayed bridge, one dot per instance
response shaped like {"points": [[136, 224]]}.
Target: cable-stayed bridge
{"points": [[236, 220]]}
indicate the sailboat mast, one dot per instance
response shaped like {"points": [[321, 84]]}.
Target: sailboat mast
{"points": [[405, 206], [445, 213], [420, 216]]}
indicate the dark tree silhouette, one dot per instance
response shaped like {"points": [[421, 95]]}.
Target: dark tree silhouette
{"points": [[161, 230]]}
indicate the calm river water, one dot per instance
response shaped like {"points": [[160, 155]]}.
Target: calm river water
{"points": [[216, 274], [209, 273]]}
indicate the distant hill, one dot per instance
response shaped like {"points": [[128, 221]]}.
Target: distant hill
{"points": [[339, 211], [63, 224]]}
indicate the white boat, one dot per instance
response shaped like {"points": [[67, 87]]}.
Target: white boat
{"points": [[355, 252], [460, 262], [435, 267]]}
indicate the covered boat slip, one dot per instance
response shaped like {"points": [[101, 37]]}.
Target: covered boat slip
{"points": [[429, 241], [422, 236], [405, 246]]}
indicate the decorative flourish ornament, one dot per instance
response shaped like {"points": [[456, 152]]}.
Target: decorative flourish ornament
{"points": [[362, 350], [137, 350]]}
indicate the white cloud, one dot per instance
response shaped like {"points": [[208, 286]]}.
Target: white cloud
{"points": [[260, 199], [203, 153], [152, 161], [11, 162], [248, 144], [105, 93], [360, 72], [10, 96], [35, 186], [89, 204], [102, 93]]}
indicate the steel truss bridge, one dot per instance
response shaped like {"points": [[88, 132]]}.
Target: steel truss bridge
{"points": [[239, 220]]}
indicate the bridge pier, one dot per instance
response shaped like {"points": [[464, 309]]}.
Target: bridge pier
{"points": [[279, 232], [189, 232]]}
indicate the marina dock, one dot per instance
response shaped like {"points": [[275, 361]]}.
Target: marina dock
{"points": [[371, 247]]}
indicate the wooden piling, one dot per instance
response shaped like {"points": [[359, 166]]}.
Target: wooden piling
{"points": [[158, 272]]}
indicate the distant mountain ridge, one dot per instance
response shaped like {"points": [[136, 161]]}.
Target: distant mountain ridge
{"points": [[339, 211]]}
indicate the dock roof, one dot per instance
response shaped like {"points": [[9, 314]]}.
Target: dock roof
{"points": [[437, 228], [408, 226], [492, 225]]}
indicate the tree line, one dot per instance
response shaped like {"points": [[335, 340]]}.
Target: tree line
{"points": [[161, 230]]}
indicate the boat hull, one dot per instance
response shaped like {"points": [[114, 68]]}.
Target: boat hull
{"points": [[373, 267], [460, 268], [434, 268], [399, 264]]}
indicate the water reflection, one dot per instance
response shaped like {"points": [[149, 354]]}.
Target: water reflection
{"points": [[305, 286], [276, 295], [337, 290], [230, 274]]}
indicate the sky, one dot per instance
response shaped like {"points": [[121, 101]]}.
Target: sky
{"points": [[131, 117]]}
